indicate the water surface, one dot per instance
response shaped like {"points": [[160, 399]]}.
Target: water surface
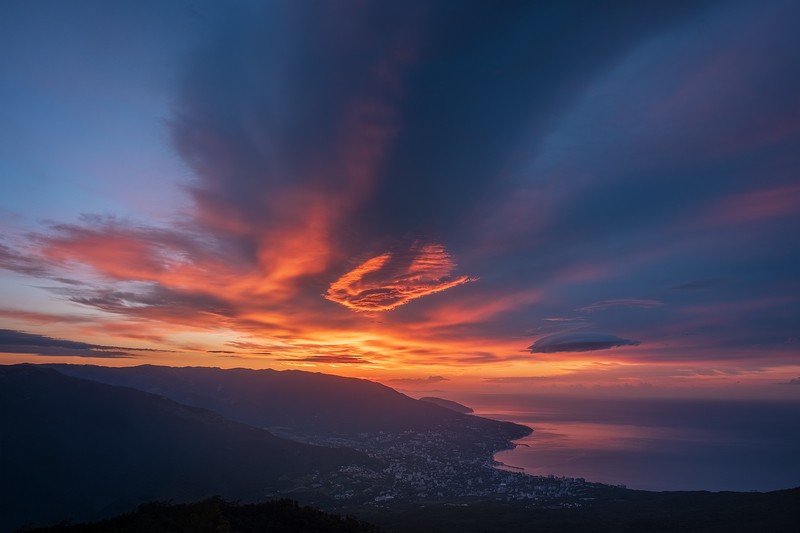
{"points": [[654, 444]]}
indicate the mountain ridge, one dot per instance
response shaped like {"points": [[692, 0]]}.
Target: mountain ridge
{"points": [[294, 403], [448, 404]]}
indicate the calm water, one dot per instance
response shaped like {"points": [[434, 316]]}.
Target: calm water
{"points": [[654, 444]]}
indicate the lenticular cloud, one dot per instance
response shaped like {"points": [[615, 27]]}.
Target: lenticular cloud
{"points": [[578, 342]]}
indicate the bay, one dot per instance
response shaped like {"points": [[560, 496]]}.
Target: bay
{"points": [[653, 443]]}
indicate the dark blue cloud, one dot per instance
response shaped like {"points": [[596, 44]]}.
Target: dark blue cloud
{"points": [[451, 95], [12, 341], [578, 342], [486, 90]]}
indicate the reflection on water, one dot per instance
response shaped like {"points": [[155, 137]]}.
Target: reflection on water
{"points": [[654, 444]]}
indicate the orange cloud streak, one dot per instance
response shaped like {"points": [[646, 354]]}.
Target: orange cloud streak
{"points": [[390, 280]]}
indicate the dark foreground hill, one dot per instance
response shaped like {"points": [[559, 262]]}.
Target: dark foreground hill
{"points": [[610, 510], [615, 511], [216, 515], [299, 404], [81, 449]]}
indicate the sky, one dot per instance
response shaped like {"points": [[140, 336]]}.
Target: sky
{"points": [[436, 195]]}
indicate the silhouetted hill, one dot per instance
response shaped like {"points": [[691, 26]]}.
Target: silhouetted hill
{"points": [[448, 404], [216, 515], [303, 404], [76, 448], [611, 510]]}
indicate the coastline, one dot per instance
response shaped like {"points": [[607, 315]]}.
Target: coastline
{"points": [[500, 465]]}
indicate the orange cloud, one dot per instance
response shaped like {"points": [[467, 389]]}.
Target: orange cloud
{"points": [[392, 279], [328, 359]]}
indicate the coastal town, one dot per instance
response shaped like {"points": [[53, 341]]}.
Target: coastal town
{"points": [[439, 466]]}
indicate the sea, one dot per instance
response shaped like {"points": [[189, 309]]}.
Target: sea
{"points": [[653, 443]]}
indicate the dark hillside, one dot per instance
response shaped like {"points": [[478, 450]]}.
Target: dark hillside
{"points": [[73, 448], [216, 515], [448, 404], [614, 511], [300, 403]]}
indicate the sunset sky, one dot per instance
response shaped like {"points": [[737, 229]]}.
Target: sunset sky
{"points": [[435, 195]]}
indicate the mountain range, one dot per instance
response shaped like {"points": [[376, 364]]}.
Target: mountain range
{"points": [[84, 442], [302, 405]]}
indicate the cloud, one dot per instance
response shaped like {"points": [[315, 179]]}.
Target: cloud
{"points": [[578, 342], [246, 345], [418, 381], [329, 359], [12, 341], [150, 298], [134, 270], [42, 318], [608, 304], [232, 353], [793, 381], [393, 279], [119, 249], [16, 262], [286, 120], [521, 379]]}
